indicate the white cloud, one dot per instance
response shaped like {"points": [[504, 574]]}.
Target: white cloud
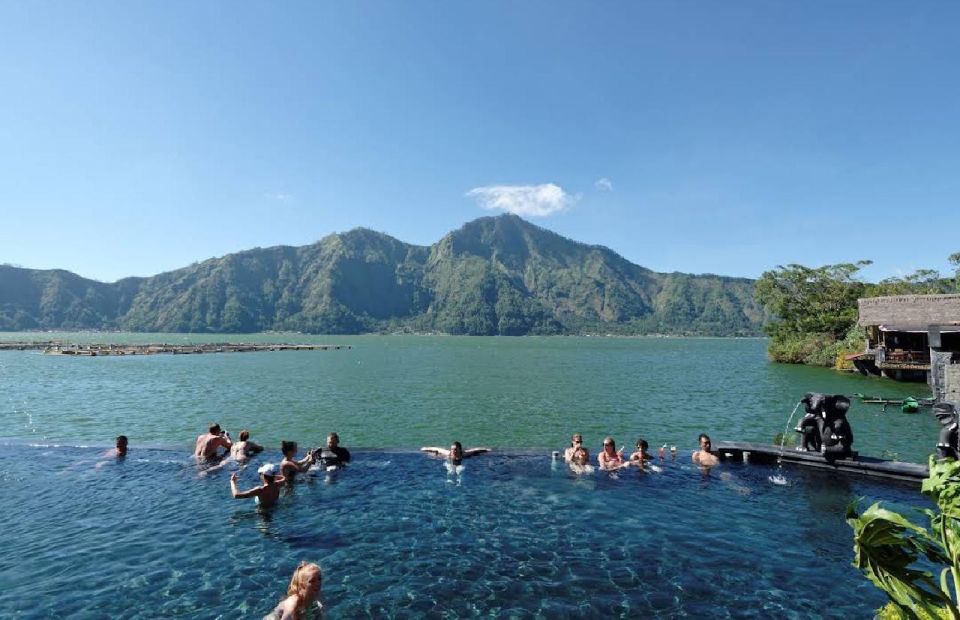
{"points": [[279, 196], [526, 200], [604, 184]]}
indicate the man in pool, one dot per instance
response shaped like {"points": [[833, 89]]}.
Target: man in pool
{"points": [[121, 450], [266, 494], [207, 445], [642, 455], [456, 453], [704, 457], [333, 455]]}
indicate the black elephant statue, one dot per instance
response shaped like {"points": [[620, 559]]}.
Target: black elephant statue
{"points": [[947, 443], [825, 428]]}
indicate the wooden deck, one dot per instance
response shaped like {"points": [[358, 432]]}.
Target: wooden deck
{"points": [[95, 350], [861, 465]]}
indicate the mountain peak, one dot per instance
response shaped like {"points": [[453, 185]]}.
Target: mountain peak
{"points": [[494, 275]]}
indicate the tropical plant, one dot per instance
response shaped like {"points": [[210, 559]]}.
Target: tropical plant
{"points": [[888, 548]]}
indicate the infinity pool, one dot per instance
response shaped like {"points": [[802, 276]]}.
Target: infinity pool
{"points": [[397, 536]]}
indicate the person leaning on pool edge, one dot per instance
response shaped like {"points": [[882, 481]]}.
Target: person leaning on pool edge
{"points": [[456, 453], [704, 457], [244, 448], [207, 445]]}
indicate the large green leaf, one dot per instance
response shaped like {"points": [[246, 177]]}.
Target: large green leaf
{"points": [[886, 546]]}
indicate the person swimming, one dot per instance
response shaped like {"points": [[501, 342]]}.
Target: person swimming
{"points": [[303, 590], [266, 494], [456, 453]]}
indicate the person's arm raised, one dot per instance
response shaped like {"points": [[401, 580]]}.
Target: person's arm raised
{"points": [[236, 492]]}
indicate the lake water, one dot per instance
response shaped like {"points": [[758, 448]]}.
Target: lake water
{"points": [[409, 391], [152, 536]]}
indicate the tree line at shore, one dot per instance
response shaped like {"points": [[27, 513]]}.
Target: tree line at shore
{"points": [[815, 308]]}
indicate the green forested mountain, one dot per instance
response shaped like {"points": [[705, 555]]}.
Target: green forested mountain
{"points": [[495, 275]]}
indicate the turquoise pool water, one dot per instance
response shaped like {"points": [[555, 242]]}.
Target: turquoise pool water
{"points": [[515, 534]]}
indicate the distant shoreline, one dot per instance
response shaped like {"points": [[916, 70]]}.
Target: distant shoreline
{"points": [[56, 337]]}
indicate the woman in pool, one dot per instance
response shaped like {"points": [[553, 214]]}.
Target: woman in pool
{"points": [[290, 466], [610, 458], [303, 590], [456, 453], [244, 449], [266, 494]]}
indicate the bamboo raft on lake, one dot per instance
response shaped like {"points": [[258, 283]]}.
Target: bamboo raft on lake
{"points": [[94, 350], [863, 465]]}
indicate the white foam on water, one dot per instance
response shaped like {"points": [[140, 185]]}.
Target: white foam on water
{"points": [[779, 479]]}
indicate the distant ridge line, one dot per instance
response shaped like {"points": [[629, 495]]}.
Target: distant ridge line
{"points": [[493, 276]]}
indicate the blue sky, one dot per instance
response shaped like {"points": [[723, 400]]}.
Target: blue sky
{"points": [[720, 137]]}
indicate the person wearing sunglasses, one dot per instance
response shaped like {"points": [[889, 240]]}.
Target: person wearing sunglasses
{"points": [[576, 454]]}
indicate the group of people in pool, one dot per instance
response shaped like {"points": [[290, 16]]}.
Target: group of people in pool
{"points": [[208, 446], [610, 459], [304, 588]]}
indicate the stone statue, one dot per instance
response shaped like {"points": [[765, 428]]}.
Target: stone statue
{"points": [[825, 428], [947, 443], [809, 427]]}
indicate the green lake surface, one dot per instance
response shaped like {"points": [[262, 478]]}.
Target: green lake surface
{"points": [[409, 391]]}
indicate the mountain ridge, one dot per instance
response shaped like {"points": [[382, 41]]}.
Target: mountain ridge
{"points": [[492, 276]]}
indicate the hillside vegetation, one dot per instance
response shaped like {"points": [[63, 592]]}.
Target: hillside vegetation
{"points": [[494, 276]]}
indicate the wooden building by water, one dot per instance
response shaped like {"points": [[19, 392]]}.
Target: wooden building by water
{"points": [[913, 338]]}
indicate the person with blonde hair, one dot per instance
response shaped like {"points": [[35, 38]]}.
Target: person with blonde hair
{"points": [[303, 590], [610, 458]]}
